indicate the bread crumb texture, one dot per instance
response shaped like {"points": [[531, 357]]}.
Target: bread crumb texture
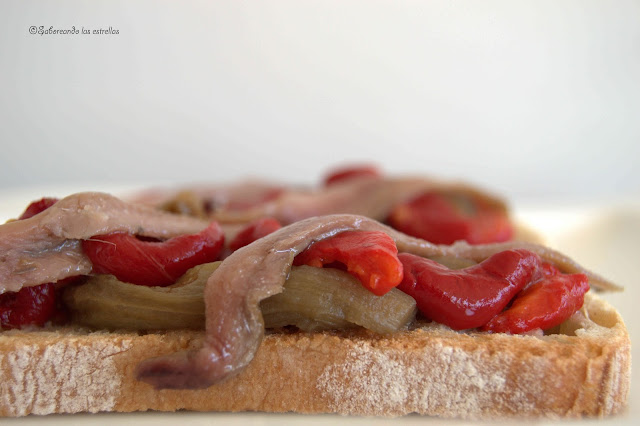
{"points": [[442, 379], [75, 374]]}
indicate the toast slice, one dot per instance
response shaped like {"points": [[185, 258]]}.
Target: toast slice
{"points": [[582, 370]]}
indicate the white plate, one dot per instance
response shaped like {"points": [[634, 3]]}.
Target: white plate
{"points": [[605, 239]]}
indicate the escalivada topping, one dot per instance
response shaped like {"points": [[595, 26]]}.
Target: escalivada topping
{"points": [[30, 306], [476, 296], [469, 297], [371, 256], [444, 217], [152, 263], [254, 231], [464, 298], [313, 299], [545, 303]]}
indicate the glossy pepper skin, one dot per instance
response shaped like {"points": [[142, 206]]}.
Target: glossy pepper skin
{"points": [[470, 297], [372, 257], [254, 231], [543, 305], [152, 263], [31, 305], [446, 217]]}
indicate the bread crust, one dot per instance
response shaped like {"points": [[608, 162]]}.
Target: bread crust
{"points": [[431, 370]]}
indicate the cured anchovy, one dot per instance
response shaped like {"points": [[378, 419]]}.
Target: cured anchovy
{"points": [[47, 246]]}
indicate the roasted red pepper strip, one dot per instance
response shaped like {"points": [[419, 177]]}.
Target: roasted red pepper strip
{"points": [[37, 206], [29, 306], [341, 175], [152, 263], [370, 256], [543, 305], [254, 231], [444, 218], [470, 297]]}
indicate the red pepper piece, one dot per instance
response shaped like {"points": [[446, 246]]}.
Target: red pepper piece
{"points": [[37, 206], [343, 174], [470, 297], [444, 218], [544, 304], [370, 256], [254, 231], [29, 306], [152, 263]]}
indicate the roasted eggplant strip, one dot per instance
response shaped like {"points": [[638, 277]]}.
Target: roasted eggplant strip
{"points": [[313, 299], [333, 299]]}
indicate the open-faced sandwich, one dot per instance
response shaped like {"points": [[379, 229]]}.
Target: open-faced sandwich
{"points": [[107, 305]]}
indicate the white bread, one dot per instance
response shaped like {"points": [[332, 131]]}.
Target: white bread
{"points": [[431, 370]]}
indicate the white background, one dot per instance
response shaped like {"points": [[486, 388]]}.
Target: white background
{"points": [[534, 98]]}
